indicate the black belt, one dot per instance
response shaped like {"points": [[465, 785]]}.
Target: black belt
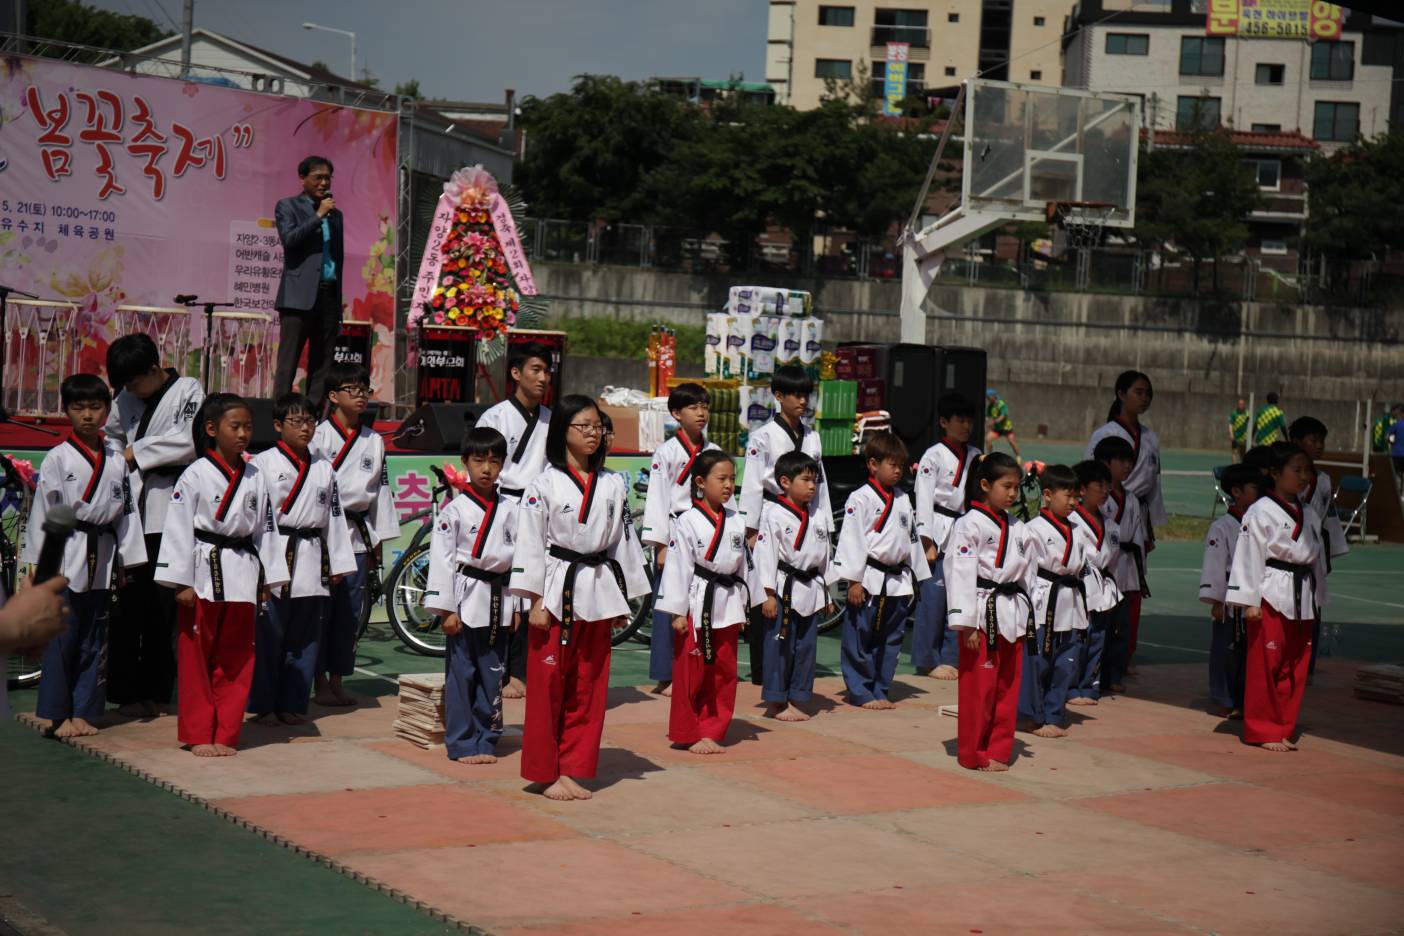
{"points": [[1240, 631], [358, 520], [1058, 583], [792, 573], [576, 560], [512, 492], [496, 580], [714, 581], [1140, 558], [218, 544], [992, 614], [295, 535], [886, 570], [1300, 575], [95, 533], [946, 511]]}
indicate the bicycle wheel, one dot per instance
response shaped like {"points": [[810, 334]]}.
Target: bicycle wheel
{"points": [[640, 619], [413, 623], [367, 605], [21, 673]]}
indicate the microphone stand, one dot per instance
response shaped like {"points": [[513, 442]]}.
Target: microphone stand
{"points": [[191, 302]]}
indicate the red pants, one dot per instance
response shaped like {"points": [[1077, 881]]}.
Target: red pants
{"points": [[989, 702], [1279, 655], [704, 696], [1134, 606], [566, 698], [215, 662]]}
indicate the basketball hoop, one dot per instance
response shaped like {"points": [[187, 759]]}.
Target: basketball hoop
{"points": [[1082, 220]]}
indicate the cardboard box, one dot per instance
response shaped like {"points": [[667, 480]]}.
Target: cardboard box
{"points": [[626, 426]]}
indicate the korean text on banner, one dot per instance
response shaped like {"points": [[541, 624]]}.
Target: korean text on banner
{"points": [[1274, 19], [894, 88]]}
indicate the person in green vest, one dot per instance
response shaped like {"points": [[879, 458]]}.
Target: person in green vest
{"points": [[1238, 430], [1379, 432], [1269, 424], [1000, 425]]}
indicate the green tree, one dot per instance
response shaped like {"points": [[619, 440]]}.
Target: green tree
{"points": [[1350, 191], [75, 21], [409, 89]]}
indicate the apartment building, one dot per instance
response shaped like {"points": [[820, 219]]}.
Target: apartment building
{"points": [[948, 41]]}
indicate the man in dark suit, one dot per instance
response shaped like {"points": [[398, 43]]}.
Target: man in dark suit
{"points": [[309, 293]]}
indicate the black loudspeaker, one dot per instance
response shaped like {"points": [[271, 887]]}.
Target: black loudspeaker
{"points": [[918, 376], [438, 427], [263, 435], [963, 372]]}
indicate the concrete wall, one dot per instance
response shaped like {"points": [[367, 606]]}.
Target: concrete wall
{"points": [[1055, 356]]}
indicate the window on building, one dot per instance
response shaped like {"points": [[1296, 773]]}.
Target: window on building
{"points": [[1200, 55], [950, 70], [1035, 75], [1273, 248], [836, 16], [842, 69], [897, 25], [1268, 172], [1196, 112], [953, 17], [1039, 21], [1267, 128], [1128, 43], [1269, 74], [1332, 61], [1336, 120]]}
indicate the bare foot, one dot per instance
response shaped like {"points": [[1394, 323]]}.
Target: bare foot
{"points": [[325, 699], [994, 766], [132, 710], [64, 729], [267, 718], [1235, 715], [707, 746], [224, 750], [478, 759], [343, 698], [924, 670], [664, 688], [1050, 731], [205, 750], [557, 791], [946, 671], [791, 713], [873, 705], [150, 709], [1286, 741], [576, 790], [291, 718], [82, 728], [1117, 687], [1082, 700], [514, 690], [1280, 746], [1024, 724]]}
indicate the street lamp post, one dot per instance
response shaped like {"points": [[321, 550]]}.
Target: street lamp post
{"points": [[344, 32]]}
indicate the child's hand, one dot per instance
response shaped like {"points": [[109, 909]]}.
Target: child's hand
{"points": [[452, 623], [680, 625], [770, 607], [119, 580], [856, 594], [1253, 614], [830, 608], [1216, 611], [931, 553], [336, 579], [265, 594], [660, 555], [539, 617], [186, 596], [516, 620], [751, 539], [972, 639]]}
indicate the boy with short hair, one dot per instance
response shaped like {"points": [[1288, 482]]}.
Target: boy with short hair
{"points": [[1228, 641], [881, 558], [357, 455], [1309, 433], [83, 474], [786, 432], [793, 556], [150, 424], [315, 538], [523, 419], [1102, 545], [470, 565], [669, 497], [940, 500], [1129, 569]]}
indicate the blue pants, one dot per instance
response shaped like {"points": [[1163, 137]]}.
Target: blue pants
{"points": [[789, 663], [869, 649], [1226, 666], [1089, 676], [1116, 652], [660, 639], [74, 683], [1046, 681], [287, 638], [337, 651], [474, 671], [933, 643]]}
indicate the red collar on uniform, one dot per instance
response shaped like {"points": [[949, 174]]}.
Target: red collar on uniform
{"points": [[718, 521], [1236, 514], [1002, 521], [489, 508], [94, 460], [961, 451], [586, 486], [301, 464], [1064, 530], [886, 497], [800, 514], [1093, 521], [1293, 511], [1119, 498], [692, 454], [232, 476], [1133, 429]]}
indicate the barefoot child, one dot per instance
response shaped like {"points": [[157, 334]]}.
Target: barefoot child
{"points": [[1276, 567], [1309, 433], [1228, 637], [470, 562], [881, 558], [220, 551], [93, 481], [793, 556], [786, 432], [1060, 607], [315, 541], [1102, 547], [988, 573], [940, 500], [669, 497], [706, 590], [523, 419], [577, 562], [150, 424], [358, 456], [1124, 511]]}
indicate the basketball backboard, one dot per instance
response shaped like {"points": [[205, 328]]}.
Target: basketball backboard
{"points": [[1027, 146]]}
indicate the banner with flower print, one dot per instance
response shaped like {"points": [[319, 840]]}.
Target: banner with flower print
{"points": [[129, 189]]}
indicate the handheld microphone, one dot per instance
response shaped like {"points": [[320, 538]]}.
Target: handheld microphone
{"points": [[58, 527], [185, 298]]}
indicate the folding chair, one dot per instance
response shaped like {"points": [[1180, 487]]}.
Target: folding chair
{"points": [[1220, 498], [1353, 515]]}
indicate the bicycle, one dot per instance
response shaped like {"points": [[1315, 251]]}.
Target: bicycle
{"points": [[15, 495], [417, 626]]}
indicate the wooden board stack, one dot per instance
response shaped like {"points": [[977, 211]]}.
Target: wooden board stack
{"points": [[1383, 682], [421, 719]]}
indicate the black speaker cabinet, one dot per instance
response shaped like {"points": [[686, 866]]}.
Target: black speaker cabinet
{"points": [[918, 376], [438, 427]]}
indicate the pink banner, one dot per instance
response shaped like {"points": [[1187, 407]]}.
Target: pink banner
{"points": [[121, 189], [432, 260], [512, 246]]}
